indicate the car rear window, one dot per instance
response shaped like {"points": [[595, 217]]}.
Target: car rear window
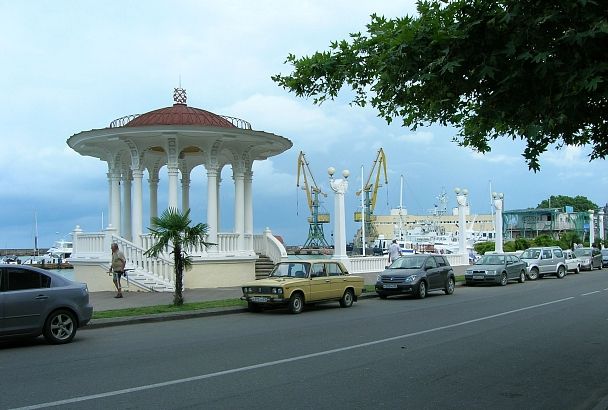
{"points": [[20, 279]]}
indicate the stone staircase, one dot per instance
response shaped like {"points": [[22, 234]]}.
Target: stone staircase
{"points": [[146, 281], [263, 266]]}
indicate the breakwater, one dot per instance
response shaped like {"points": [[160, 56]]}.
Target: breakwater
{"points": [[22, 251]]}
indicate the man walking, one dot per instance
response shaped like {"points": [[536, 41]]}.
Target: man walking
{"points": [[394, 251], [117, 268]]}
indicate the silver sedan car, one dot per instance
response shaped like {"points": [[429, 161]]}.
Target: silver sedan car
{"points": [[35, 301], [496, 268]]}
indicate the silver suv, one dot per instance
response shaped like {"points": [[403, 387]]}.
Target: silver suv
{"points": [[544, 261]]}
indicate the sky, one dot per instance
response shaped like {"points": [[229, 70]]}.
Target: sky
{"points": [[72, 66]]}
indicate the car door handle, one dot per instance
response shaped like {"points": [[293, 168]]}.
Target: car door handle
{"points": [[41, 297]]}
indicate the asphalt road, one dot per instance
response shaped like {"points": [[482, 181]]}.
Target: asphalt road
{"points": [[537, 345]]}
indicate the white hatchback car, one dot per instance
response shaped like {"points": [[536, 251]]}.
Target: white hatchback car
{"points": [[573, 264]]}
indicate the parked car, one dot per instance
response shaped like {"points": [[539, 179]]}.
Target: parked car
{"points": [[590, 258], [34, 301], [416, 274], [573, 264], [496, 268], [543, 261], [295, 283], [604, 257]]}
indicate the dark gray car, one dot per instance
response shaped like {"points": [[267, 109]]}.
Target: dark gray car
{"points": [[34, 301], [496, 268], [418, 275]]}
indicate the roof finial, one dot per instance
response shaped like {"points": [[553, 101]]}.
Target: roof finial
{"points": [[179, 95]]}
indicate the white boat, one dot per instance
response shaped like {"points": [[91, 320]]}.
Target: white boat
{"points": [[61, 249]]}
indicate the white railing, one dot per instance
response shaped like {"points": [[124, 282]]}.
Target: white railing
{"points": [[266, 244], [367, 264], [458, 259], [227, 242]]}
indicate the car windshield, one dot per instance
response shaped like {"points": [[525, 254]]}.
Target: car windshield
{"points": [[582, 252], [290, 270], [491, 260], [531, 254], [605, 252], [409, 262]]}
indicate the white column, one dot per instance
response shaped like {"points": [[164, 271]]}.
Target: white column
{"points": [[173, 172], [339, 186], [109, 175], [185, 192], [137, 219], [212, 205], [498, 201], [591, 228], [219, 202], [461, 199], [249, 210], [239, 205], [600, 217], [115, 208], [153, 187], [126, 206]]}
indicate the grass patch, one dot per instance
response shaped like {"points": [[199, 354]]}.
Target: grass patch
{"points": [[460, 278], [370, 288], [151, 310]]}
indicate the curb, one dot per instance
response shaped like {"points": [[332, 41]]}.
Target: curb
{"points": [[161, 317]]}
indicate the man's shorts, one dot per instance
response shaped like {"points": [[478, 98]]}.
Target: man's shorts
{"points": [[117, 275]]}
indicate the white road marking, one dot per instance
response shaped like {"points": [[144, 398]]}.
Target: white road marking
{"points": [[591, 293], [277, 362]]}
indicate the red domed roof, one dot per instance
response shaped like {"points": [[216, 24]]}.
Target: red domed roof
{"points": [[180, 114]]}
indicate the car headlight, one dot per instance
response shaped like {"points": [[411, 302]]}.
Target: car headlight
{"points": [[277, 291], [379, 278], [469, 272], [410, 278]]}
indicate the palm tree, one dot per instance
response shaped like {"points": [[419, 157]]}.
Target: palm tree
{"points": [[173, 228]]}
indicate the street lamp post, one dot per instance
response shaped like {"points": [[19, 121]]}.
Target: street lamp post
{"points": [[591, 228], [339, 186], [600, 217], [498, 201], [461, 199]]}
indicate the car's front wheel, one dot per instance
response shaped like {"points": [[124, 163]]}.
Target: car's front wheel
{"points": [[296, 303], [60, 327], [533, 275], [449, 286], [347, 298], [503, 279], [421, 290], [561, 272], [522, 276]]}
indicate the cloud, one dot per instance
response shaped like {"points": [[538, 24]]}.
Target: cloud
{"points": [[567, 157], [496, 158], [303, 123], [419, 137], [270, 181]]}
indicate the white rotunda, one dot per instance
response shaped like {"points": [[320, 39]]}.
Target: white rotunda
{"points": [[178, 138]]}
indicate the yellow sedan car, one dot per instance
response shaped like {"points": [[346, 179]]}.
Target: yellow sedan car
{"points": [[298, 282]]}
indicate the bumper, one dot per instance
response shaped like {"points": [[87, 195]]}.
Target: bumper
{"points": [[394, 288], [265, 300], [473, 279], [86, 314]]}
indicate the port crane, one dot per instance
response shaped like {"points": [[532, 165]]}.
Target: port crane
{"points": [[316, 237], [370, 192]]}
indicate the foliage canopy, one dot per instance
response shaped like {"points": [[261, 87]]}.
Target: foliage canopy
{"points": [[172, 231], [579, 203], [533, 70]]}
